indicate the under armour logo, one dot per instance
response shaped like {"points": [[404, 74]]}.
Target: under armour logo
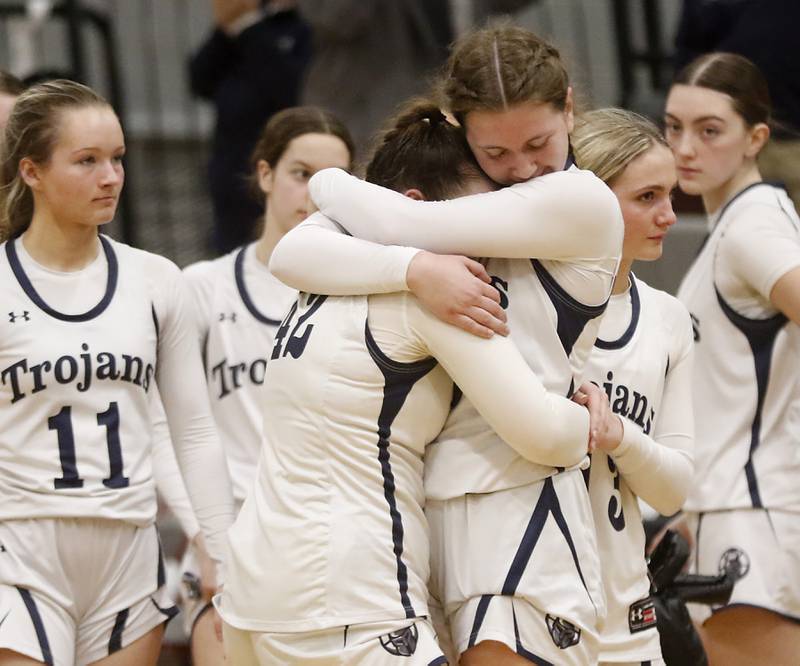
{"points": [[564, 633], [642, 615], [223, 316], [2, 548], [401, 643], [13, 316]]}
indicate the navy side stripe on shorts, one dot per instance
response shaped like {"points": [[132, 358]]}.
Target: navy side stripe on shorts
{"points": [[521, 651], [115, 642], [38, 625], [480, 614], [548, 504]]}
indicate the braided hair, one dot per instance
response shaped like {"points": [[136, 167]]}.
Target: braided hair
{"points": [[501, 65]]}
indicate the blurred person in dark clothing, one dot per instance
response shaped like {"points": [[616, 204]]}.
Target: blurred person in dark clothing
{"points": [[370, 55], [764, 31], [250, 66], [10, 88]]}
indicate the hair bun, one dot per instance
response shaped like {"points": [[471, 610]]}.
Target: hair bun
{"points": [[423, 111]]}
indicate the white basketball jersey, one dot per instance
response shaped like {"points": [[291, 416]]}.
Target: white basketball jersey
{"points": [[239, 306], [555, 333], [75, 427], [643, 332], [745, 376], [334, 532]]}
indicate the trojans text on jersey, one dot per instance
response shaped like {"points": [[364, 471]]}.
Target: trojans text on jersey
{"points": [[26, 377]]}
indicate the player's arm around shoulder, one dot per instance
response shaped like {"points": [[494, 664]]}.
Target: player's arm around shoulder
{"points": [[542, 427], [583, 203], [318, 257]]}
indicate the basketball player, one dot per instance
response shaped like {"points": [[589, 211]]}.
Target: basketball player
{"points": [[329, 555], [526, 587], [90, 326], [642, 359], [240, 306], [743, 292]]}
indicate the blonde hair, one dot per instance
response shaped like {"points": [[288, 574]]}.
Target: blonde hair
{"points": [[32, 132], [606, 141]]}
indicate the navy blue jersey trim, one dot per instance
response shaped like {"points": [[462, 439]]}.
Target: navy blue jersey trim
{"points": [[697, 541], [735, 197], [457, 395], [625, 338], [115, 642], [760, 334], [480, 615], [722, 212], [521, 650], [399, 379], [572, 315], [169, 612], [238, 274], [38, 301], [161, 574], [422, 366], [155, 321], [200, 614], [438, 661], [587, 471], [546, 505], [38, 625]]}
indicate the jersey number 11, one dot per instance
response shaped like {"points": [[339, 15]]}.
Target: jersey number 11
{"points": [[62, 424]]}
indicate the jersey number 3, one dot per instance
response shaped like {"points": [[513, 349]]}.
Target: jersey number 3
{"points": [[62, 424], [615, 502]]}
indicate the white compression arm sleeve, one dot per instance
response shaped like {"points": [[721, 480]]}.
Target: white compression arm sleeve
{"points": [[542, 427], [179, 376], [660, 469], [560, 216], [319, 258]]}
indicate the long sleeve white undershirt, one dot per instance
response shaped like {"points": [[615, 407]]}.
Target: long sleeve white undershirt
{"points": [[564, 215], [319, 258], [568, 217], [542, 427], [660, 469], [179, 374], [167, 474]]}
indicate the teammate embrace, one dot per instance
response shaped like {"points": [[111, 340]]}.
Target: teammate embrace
{"points": [[411, 493]]}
